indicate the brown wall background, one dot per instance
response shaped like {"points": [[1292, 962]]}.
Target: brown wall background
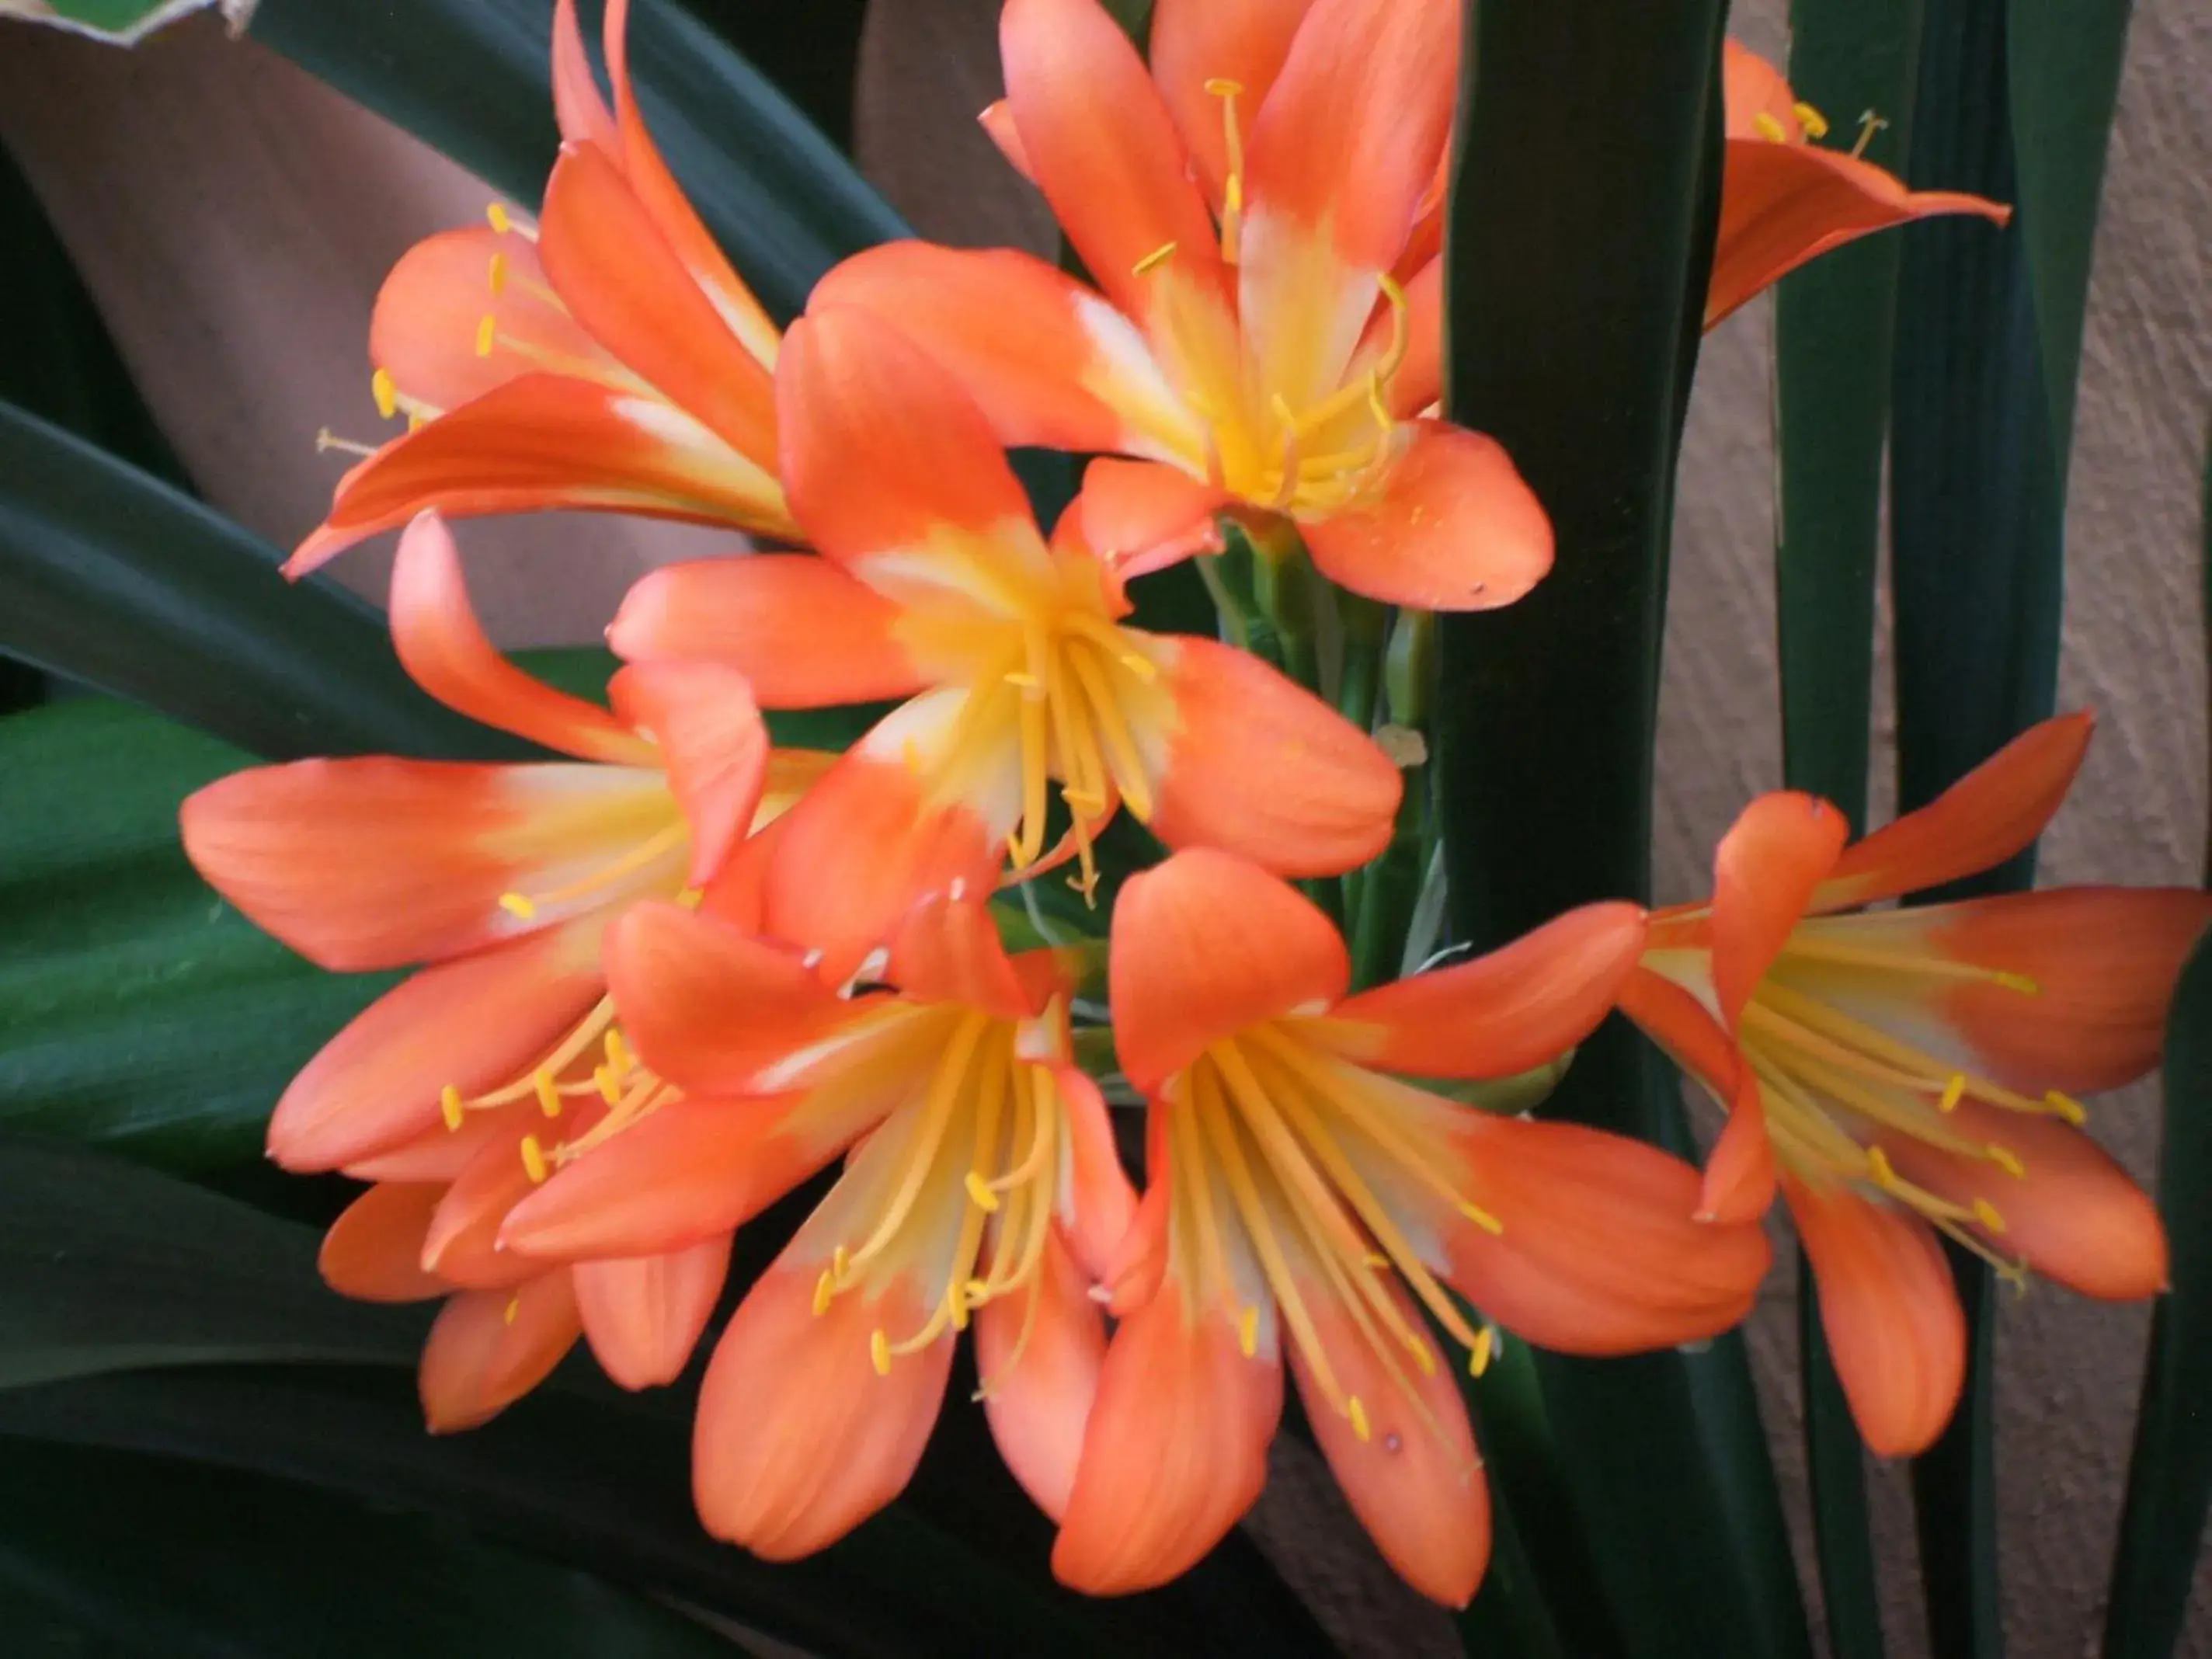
{"points": [[233, 218]]}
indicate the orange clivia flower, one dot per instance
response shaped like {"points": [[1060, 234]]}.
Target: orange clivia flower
{"points": [[981, 1189], [1907, 1072], [934, 583], [1259, 211], [1303, 1202], [606, 358], [501, 877], [1785, 200]]}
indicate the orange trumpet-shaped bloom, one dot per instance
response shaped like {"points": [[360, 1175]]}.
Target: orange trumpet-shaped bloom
{"points": [[1258, 212], [607, 358], [934, 583], [501, 877], [1785, 200], [981, 1189], [1303, 1202], [1907, 1072]]}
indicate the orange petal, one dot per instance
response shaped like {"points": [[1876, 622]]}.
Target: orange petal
{"points": [[1048, 362], [1039, 1383], [709, 1007], [548, 440], [936, 515], [1140, 516], [1766, 871], [1260, 767], [489, 1348], [439, 642], [578, 107], [1782, 206], [868, 842], [1740, 1174], [462, 1243], [434, 1158], [1598, 1253], [2073, 1213], [374, 1250], [1509, 1011], [1176, 1451], [1751, 87], [643, 1314], [713, 746], [1891, 1313], [1243, 42], [806, 633], [1681, 1025], [998, 124], [430, 315], [1098, 1206], [475, 1023], [1983, 819], [1415, 1478], [797, 1440], [624, 282], [1206, 945], [1450, 527], [1100, 146], [949, 950]]}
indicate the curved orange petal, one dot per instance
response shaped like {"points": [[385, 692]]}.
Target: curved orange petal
{"points": [[1766, 872], [1102, 146], [936, 516], [1048, 360], [489, 1348], [1449, 527], [1782, 206], [644, 1314], [462, 1243], [1038, 1382], [1176, 1450], [706, 1005], [713, 745], [1597, 1253], [1415, 1478], [548, 440], [1683, 1027], [475, 1023], [797, 1440], [611, 263], [434, 1158], [1258, 766], [578, 109], [949, 950], [1097, 1210], [1892, 1316], [1740, 1171], [1140, 516], [1750, 87], [374, 863], [1517, 1007], [1996, 809], [374, 1250], [441, 644], [1204, 945], [806, 633], [1243, 42]]}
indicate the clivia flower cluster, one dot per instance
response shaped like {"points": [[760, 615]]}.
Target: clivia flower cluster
{"points": [[673, 972]]}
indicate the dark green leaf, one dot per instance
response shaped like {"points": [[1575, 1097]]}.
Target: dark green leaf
{"points": [[473, 77], [1577, 358], [110, 577], [183, 1560], [812, 52]]}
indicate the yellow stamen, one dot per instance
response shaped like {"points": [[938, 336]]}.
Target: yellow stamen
{"points": [[533, 1159], [501, 222], [2066, 1108], [1809, 946], [1869, 125], [1247, 1332], [825, 1291], [449, 1104], [382, 387], [512, 1309], [1479, 1356], [879, 1351], [980, 1193], [326, 441], [486, 331], [1815, 123], [1232, 188], [1152, 261], [549, 1097], [496, 278], [1954, 1092], [2005, 1160], [1989, 1215], [1358, 1413], [1769, 128], [518, 907]]}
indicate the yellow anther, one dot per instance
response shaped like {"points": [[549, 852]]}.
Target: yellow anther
{"points": [[879, 1351], [910, 752], [617, 1051], [841, 1263], [1247, 1332], [533, 1159], [2067, 1107], [382, 387], [1479, 1356], [976, 1292], [487, 330], [501, 220], [1954, 1092], [416, 419], [518, 907], [1879, 1166], [496, 278], [1143, 667], [980, 1193], [1815, 123], [1377, 1260], [449, 1103], [1025, 682], [2005, 1160], [1988, 1214], [1220, 86], [610, 1089], [1422, 1357], [2020, 982], [549, 1093], [1358, 1413], [825, 1291], [956, 1306], [1481, 1218], [513, 1308], [1770, 128], [1152, 261]]}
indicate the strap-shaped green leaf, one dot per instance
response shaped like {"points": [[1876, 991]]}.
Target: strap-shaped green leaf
{"points": [[1578, 359]]}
